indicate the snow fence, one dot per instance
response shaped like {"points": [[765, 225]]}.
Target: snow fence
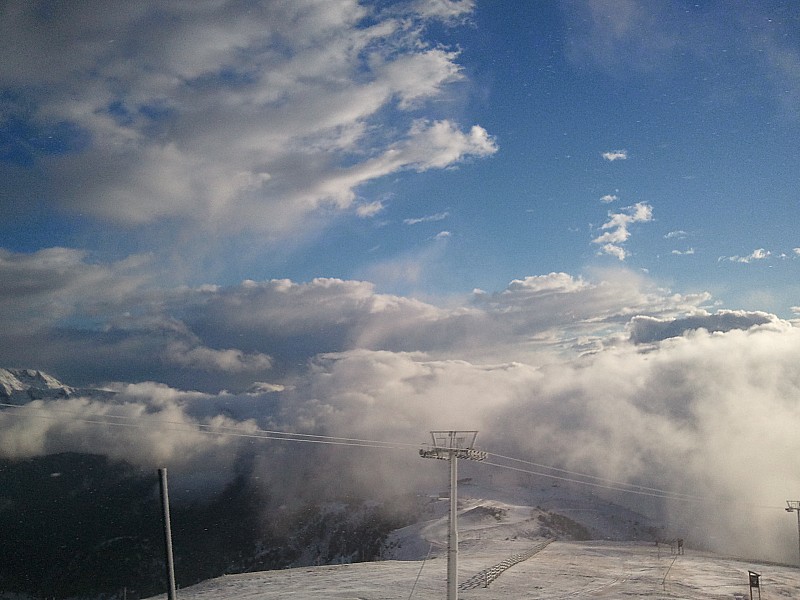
{"points": [[487, 576]]}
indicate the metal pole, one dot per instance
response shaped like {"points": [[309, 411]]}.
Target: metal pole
{"points": [[452, 537], [794, 506], [162, 480], [450, 445], [798, 529]]}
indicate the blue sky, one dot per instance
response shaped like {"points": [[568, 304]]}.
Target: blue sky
{"points": [[378, 218], [701, 100]]}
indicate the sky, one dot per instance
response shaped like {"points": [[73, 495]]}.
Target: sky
{"points": [[566, 224]]}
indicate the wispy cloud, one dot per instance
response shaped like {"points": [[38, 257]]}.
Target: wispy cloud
{"points": [[427, 219], [621, 36], [608, 198], [678, 234]]}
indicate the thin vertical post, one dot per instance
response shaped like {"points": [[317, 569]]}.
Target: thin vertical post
{"points": [[794, 506], [452, 537], [162, 480], [798, 528]]}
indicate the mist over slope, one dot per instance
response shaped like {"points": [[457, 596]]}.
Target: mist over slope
{"points": [[707, 415], [511, 549], [667, 429], [614, 383]]}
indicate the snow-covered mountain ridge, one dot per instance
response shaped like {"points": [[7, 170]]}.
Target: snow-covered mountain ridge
{"points": [[20, 386]]}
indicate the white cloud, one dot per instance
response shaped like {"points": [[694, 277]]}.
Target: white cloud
{"points": [[148, 424], [615, 155], [416, 77], [755, 255], [614, 250], [233, 117], [608, 198], [441, 144], [443, 9], [209, 359], [679, 416], [678, 234], [686, 252], [212, 336], [370, 209], [616, 228]]}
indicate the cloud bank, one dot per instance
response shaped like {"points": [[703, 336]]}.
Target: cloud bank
{"points": [[610, 376]]}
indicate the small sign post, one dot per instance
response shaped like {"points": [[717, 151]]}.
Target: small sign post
{"points": [[754, 583]]}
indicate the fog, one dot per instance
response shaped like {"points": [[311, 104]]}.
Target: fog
{"points": [[611, 379]]}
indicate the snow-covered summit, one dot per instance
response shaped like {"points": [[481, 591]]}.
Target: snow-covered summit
{"points": [[20, 386]]}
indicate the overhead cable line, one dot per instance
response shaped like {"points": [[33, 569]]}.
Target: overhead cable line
{"points": [[607, 486], [138, 421], [652, 492], [219, 430], [595, 478]]}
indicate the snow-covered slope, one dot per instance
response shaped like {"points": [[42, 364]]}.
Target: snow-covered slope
{"points": [[490, 533], [563, 570], [20, 386], [520, 512], [493, 531]]}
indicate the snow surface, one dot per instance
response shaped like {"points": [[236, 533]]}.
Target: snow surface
{"points": [[596, 569], [491, 531]]}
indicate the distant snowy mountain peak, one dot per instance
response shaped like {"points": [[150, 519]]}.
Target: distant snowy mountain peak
{"points": [[20, 386], [22, 379]]}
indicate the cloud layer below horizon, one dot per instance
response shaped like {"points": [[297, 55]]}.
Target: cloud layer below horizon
{"points": [[613, 377]]}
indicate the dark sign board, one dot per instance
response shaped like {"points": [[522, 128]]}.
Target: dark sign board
{"points": [[754, 579]]}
